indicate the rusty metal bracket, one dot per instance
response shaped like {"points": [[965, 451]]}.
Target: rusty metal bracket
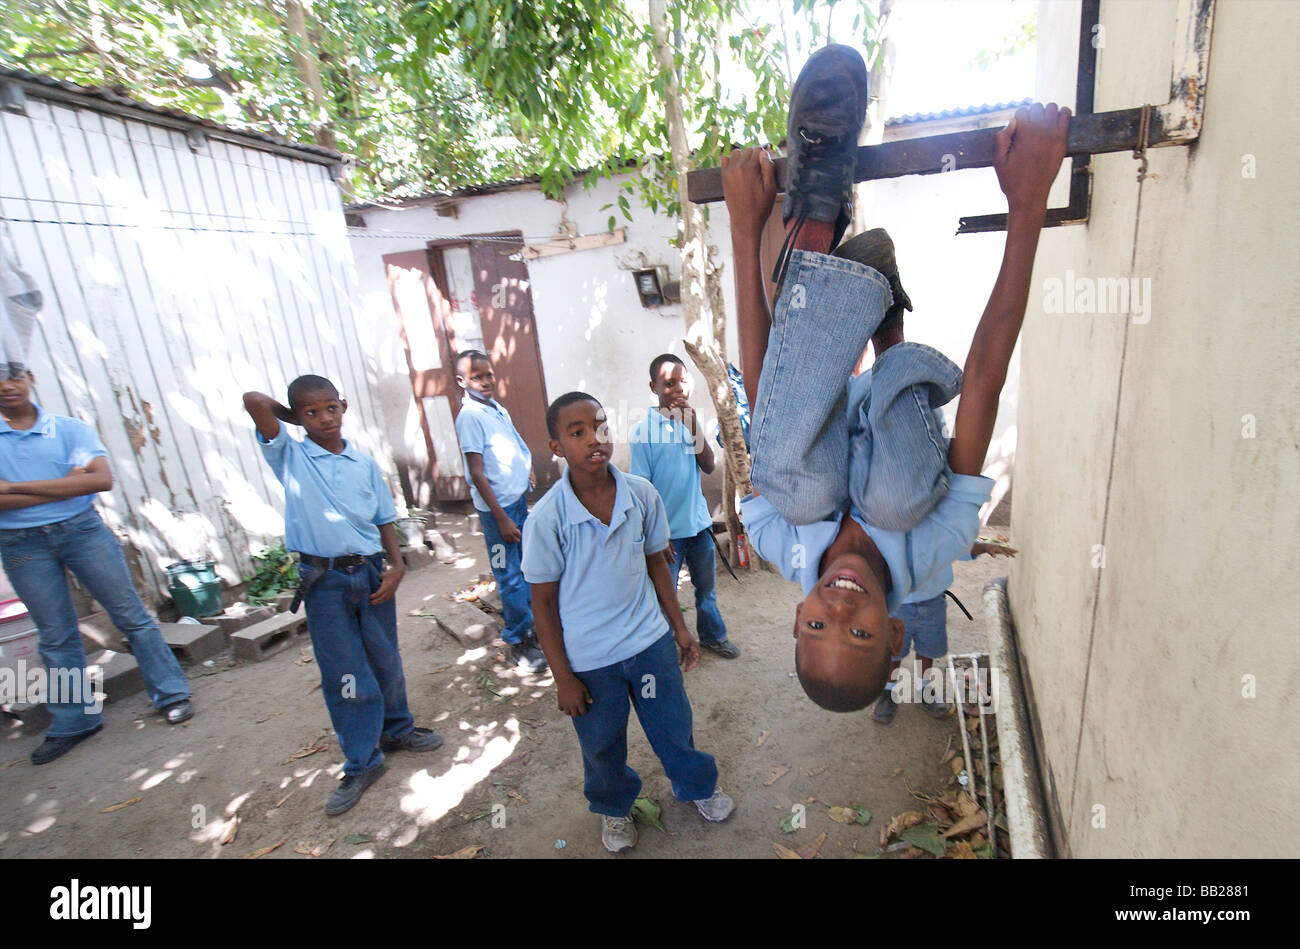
{"points": [[1177, 122]]}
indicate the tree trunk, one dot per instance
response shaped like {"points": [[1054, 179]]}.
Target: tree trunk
{"points": [[302, 52], [705, 339]]}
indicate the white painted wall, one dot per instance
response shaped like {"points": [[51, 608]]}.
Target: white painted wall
{"points": [[1136, 441], [174, 280]]}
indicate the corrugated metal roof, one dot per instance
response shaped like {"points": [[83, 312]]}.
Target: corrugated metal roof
{"points": [[955, 113], [100, 96]]}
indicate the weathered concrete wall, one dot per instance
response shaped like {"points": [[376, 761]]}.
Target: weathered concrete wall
{"points": [[1165, 440]]}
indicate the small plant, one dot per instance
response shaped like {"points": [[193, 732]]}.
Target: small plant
{"points": [[276, 572]]}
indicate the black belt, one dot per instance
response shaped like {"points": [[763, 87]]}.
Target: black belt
{"points": [[326, 563], [323, 563]]}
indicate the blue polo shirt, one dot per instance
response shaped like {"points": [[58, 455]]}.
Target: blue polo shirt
{"points": [[919, 559], [49, 449], [608, 608], [663, 452], [485, 428], [333, 504]]}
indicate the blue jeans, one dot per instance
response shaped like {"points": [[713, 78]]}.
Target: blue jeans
{"points": [[652, 681], [925, 626], [507, 567], [35, 559], [698, 553], [360, 668], [818, 442]]}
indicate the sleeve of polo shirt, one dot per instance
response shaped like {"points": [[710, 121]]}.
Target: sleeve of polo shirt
{"points": [[543, 558], [948, 531], [656, 522], [770, 535], [469, 430], [385, 510], [276, 451], [84, 446]]}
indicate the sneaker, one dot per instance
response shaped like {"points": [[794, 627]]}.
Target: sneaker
{"points": [[723, 647], [715, 808], [52, 748], [827, 108], [875, 248], [617, 833], [178, 712], [417, 739], [528, 656], [885, 708], [936, 707], [345, 796]]}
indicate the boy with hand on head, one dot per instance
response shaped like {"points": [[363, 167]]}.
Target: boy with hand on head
{"points": [[857, 497], [52, 467], [500, 469], [608, 620], [338, 515], [669, 450]]}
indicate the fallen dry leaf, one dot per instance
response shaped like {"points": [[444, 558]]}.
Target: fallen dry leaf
{"points": [[286, 797], [117, 807], [511, 792], [900, 823], [762, 738], [263, 851], [777, 774], [807, 853], [785, 853], [311, 848], [896, 772], [816, 771], [842, 815], [306, 750], [810, 800], [464, 853], [948, 756], [232, 829], [963, 851], [313, 688], [967, 823], [957, 764], [965, 804], [911, 853]]}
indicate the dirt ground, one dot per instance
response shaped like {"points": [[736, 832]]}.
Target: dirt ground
{"points": [[509, 776]]}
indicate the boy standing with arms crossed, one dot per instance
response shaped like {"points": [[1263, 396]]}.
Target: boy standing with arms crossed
{"points": [[604, 605], [669, 450], [856, 495], [500, 472], [338, 514]]}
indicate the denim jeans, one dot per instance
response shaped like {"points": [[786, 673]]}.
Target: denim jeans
{"points": [[652, 682], [360, 668], [35, 559], [507, 568], [698, 553], [818, 441]]}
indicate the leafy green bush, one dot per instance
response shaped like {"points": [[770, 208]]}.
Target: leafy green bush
{"points": [[276, 572]]}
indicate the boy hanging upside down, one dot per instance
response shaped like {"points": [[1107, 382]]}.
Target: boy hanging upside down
{"points": [[857, 497]]}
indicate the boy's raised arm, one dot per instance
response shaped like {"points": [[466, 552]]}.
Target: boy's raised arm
{"points": [[267, 414], [749, 186], [1029, 155]]}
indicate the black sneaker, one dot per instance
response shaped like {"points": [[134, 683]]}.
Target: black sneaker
{"points": [[345, 796], [528, 656], [875, 248], [417, 739], [827, 108], [52, 748], [723, 647]]}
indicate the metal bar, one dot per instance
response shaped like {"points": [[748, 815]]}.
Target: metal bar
{"points": [[1094, 134], [988, 771]]}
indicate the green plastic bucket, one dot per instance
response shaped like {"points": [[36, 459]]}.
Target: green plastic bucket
{"points": [[194, 587]]}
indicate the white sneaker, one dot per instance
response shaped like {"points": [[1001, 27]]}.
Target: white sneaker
{"points": [[617, 833], [715, 808]]}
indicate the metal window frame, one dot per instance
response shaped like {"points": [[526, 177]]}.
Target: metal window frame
{"points": [[1176, 122]]}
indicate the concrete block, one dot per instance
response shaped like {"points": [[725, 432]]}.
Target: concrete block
{"points": [[265, 639], [122, 675], [233, 623], [98, 632], [284, 600], [467, 624], [193, 642], [417, 558], [443, 548], [492, 600]]}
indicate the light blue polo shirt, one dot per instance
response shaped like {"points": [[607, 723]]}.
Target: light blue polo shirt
{"points": [[485, 428], [663, 452], [918, 559], [49, 449], [608, 608], [333, 504]]}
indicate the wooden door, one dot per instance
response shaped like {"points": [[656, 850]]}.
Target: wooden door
{"points": [[422, 314], [505, 306]]}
